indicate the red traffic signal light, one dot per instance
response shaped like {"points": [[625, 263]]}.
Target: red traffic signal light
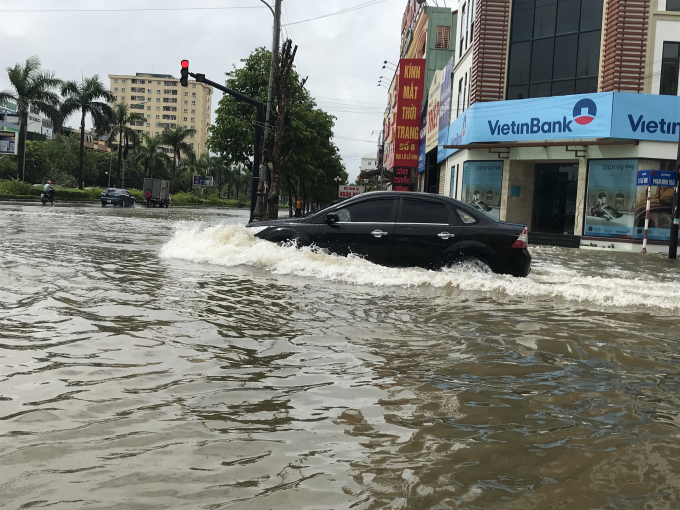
{"points": [[184, 74]]}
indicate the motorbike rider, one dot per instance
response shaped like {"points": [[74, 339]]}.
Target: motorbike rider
{"points": [[49, 190]]}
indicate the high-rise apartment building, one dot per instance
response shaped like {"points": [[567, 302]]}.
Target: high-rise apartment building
{"points": [[161, 99]]}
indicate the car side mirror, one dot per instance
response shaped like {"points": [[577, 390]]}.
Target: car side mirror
{"points": [[332, 218]]}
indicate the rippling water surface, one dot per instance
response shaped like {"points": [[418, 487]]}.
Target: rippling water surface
{"points": [[156, 359]]}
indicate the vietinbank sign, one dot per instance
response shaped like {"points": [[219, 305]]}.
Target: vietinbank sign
{"points": [[585, 116], [580, 116], [646, 117]]}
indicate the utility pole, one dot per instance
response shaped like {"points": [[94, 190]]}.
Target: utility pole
{"points": [[673, 245], [261, 207]]}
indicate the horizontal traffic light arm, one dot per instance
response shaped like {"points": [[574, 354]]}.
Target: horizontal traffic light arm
{"points": [[202, 79]]}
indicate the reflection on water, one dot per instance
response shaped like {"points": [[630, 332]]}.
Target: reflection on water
{"points": [[165, 359]]}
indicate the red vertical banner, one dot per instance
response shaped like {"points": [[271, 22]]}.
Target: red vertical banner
{"points": [[409, 97], [401, 180]]}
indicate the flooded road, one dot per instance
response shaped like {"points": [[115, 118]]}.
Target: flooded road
{"points": [[154, 359]]}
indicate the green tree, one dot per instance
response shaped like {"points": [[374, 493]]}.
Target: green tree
{"points": [[31, 89], [175, 137], [55, 159], [89, 97], [149, 154], [120, 128], [309, 155]]}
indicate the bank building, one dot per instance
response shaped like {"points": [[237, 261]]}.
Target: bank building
{"points": [[544, 113]]}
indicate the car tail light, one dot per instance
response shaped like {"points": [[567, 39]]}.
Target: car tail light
{"points": [[522, 240]]}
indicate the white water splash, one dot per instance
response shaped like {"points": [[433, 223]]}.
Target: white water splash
{"points": [[234, 245]]}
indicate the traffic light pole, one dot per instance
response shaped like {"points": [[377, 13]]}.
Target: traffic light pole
{"points": [[673, 246], [259, 123]]}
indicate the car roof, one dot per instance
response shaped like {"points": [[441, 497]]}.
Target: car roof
{"points": [[427, 196], [408, 194]]}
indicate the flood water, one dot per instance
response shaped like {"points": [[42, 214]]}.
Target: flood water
{"points": [[154, 359]]}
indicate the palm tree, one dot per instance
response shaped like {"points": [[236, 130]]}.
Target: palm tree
{"points": [[120, 127], [174, 137], [33, 89], [88, 96], [148, 152]]}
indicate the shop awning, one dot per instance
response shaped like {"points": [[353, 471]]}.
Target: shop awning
{"points": [[570, 145]]}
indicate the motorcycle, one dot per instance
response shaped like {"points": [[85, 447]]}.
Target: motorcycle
{"points": [[47, 197]]}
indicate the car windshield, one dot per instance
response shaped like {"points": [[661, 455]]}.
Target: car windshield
{"points": [[612, 211]]}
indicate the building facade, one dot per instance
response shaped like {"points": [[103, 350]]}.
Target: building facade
{"points": [[368, 164], [428, 43], [555, 107], [161, 99], [39, 127]]}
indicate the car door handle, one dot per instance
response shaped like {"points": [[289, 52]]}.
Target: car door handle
{"points": [[378, 233], [446, 235]]}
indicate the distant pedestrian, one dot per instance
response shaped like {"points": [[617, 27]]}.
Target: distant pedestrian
{"points": [[147, 195], [298, 207]]}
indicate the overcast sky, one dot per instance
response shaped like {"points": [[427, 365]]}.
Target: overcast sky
{"points": [[342, 54]]}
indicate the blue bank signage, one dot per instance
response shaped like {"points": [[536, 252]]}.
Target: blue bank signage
{"points": [[604, 115], [580, 116], [646, 117]]}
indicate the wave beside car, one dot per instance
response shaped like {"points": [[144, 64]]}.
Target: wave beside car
{"points": [[117, 196], [405, 229]]}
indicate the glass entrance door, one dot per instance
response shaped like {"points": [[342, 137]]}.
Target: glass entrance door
{"points": [[555, 198]]}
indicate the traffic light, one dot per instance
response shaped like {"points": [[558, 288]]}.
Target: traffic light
{"points": [[184, 77]]}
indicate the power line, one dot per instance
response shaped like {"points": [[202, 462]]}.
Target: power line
{"points": [[138, 9], [343, 11]]}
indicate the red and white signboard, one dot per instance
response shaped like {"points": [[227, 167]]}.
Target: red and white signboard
{"points": [[350, 191]]}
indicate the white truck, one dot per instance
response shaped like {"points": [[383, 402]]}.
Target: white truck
{"points": [[160, 192]]}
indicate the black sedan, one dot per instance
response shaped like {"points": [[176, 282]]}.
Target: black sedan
{"points": [[115, 196], [408, 229]]}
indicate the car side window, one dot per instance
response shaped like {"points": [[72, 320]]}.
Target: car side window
{"points": [[466, 218], [369, 211], [424, 211]]}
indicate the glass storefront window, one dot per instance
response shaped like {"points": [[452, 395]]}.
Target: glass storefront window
{"points": [[544, 18], [523, 20], [670, 65], [568, 13], [567, 47], [588, 54], [585, 85], [591, 15], [554, 40], [610, 202], [563, 87], [542, 59], [539, 89], [482, 184], [520, 64], [518, 92]]}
